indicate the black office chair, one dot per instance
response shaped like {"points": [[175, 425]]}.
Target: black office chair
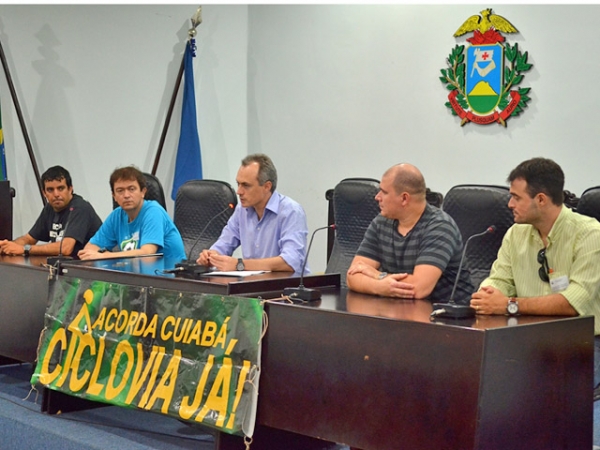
{"points": [[434, 198], [474, 208], [589, 202], [571, 200], [354, 207], [154, 191], [202, 208]]}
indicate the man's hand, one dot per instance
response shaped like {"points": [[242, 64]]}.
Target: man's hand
{"points": [[395, 287], [223, 263], [90, 253], [10, 248], [365, 269], [204, 257], [489, 300]]}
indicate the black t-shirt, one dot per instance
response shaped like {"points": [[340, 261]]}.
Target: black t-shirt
{"points": [[78, 221]]}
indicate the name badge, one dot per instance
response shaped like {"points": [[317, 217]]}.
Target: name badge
{"points": [[559, 283]]}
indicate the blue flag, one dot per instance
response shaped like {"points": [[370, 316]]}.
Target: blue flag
{"points": [[188, 165]]}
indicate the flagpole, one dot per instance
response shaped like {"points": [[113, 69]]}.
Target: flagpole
{"points": [[13, 94], [196, 20]]}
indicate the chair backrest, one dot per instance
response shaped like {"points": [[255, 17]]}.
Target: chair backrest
{"points": [[589, 202], [202, 208], [354, 207], [434, 198], [474, 208], [154, 191]]}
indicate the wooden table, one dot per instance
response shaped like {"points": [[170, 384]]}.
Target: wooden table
{"points": [[377, 374], [23, 300]]}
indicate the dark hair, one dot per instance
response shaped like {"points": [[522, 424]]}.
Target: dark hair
{"points": [[129, 173], [56, 173], [542, 176], [266, 169]]}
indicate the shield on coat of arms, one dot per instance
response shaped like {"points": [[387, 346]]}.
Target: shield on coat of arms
{"points": [[483, 80]]}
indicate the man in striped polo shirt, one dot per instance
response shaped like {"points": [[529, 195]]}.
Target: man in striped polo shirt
{"points": [[411, 249], [548, 261]]}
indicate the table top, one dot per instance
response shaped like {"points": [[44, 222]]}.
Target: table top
{"points": [[350, 302], [333, 299]]}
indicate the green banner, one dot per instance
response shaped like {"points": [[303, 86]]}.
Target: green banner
{"points": [[192, 356]]}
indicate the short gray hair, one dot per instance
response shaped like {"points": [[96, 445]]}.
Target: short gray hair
{"points": [[266, 169]]}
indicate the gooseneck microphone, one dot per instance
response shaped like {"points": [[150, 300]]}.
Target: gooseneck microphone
{"points": [[188, 266], [55, 260], [452, 309], [300, 292]]}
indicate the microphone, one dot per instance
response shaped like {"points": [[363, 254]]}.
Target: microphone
{"points": [[188, 266], [55, 260], [300, 292], [451, 309]]}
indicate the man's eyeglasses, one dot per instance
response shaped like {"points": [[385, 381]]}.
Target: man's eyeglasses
{"points": [[544, 270]]}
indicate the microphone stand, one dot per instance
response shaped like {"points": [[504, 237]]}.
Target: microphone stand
{"points": [[189, 267], [301, 292], [56, 260], [452, 309]]}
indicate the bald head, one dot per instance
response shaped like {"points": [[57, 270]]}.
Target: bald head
{"points": [[407, 178]]}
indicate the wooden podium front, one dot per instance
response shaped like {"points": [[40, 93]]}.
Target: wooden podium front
{"points": [[377, 374]]}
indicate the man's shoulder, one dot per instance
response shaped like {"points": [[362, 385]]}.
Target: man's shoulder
{"points": [[439, 219], [79, 202], [580, 221], [287, 204]]}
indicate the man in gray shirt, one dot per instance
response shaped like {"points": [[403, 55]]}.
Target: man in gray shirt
{"points": [[411, 249]]}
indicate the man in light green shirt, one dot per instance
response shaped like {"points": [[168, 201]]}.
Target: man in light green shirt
{"points": [[548, 261]]}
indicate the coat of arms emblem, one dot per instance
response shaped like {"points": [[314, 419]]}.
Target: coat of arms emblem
{"points": [[483, 80]]}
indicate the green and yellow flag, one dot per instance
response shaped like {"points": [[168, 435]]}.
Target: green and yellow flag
{"points": [[3, 175]]}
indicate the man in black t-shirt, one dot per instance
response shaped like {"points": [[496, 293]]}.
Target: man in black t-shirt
{"points": [[64, 226]]}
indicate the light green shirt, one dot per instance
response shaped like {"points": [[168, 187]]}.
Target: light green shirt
{"points": [[573, 250]]}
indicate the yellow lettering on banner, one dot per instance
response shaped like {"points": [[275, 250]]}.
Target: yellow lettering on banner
{"points": [[142, 370], [208, 336], [195, 334], [71, 347], [121, 321], [150, 384], [187, 410], [222, 336], [166, 335], [110, 317], [123, 349], [85, 341], [166, 386], [215, 401], [99, 323], [140, 325], [47, 377], [151, 329], [133, 317], [94, 387], [184, 329], [238, 393], [231, 346]]}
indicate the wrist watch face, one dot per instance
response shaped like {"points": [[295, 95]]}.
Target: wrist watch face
{"points": [[512, 307], [26, 249], [240, 265]]}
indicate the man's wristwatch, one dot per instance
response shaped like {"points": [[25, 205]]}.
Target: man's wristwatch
{"points": [[512, 308], [26, 249], [240, 265]]}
